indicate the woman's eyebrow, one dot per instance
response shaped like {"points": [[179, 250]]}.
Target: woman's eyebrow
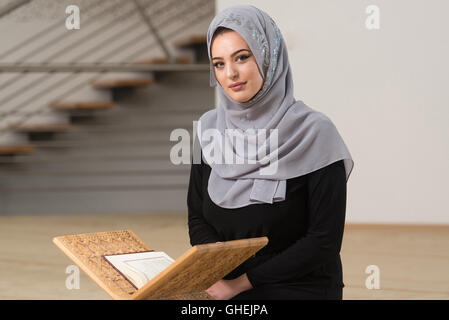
{"points": [[232, 54]]}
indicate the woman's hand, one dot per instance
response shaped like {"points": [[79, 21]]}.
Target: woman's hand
{"points": [[226, 289]]}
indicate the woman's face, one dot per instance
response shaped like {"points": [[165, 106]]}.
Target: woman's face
{"points": [[235, 66]]}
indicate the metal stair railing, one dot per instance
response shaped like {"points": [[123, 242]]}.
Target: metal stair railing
{"points": [[91, 50], [60, 37], [10, 7], [164, 23], [86, 53], [33, 38], [146, 18]]}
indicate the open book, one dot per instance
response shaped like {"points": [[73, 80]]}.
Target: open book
{"points": [[139, 268], [125, 267]]}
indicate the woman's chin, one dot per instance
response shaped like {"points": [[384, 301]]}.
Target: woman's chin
{"points": [[240, 97]]}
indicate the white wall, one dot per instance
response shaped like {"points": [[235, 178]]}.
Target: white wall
{"points": [[387, 92]]}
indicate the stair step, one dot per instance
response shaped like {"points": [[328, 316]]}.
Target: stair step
{"points": [[163, 60], [43, 127], [197, 45], [97, 105], [122, 83], [191, 41], [16, 149]]}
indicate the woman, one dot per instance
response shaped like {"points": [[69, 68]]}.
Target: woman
{"points": [[300, 205]]}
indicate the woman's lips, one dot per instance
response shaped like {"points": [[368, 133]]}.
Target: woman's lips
{"points": [[238, 87]]}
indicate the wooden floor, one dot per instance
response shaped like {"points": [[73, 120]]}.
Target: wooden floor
{"points": [[413, 260]]}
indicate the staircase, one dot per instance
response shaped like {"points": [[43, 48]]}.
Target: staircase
{"points": [[99, 142]]}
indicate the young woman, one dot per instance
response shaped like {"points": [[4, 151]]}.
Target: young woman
{"points": [[300, 202]]}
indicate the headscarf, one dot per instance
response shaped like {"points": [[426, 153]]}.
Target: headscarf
{"points": [[307, 140]]}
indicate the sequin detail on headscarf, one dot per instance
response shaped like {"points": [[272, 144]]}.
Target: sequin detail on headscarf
{"points": [[274, 56], [260, 39]]}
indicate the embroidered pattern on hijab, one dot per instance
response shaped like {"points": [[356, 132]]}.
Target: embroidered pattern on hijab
{"points": [[307, 140]]}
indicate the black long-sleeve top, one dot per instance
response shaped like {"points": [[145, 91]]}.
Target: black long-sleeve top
{"points": [[305, 230]]}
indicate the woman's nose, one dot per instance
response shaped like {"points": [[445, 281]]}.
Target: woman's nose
{"points": [[231, 72]]}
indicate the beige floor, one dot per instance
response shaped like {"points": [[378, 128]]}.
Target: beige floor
{"points": [[413, 261]]}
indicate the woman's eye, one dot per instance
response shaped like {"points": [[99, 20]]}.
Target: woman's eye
{"points": [[243, 57]]}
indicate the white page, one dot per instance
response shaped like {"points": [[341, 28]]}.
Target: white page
{"points": [[149, 266], [146, 264]]}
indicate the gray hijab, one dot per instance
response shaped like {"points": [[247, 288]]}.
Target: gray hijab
{"points": [[307, 139]]}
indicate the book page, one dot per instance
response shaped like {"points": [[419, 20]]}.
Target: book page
{"points": [[139, 268]]}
